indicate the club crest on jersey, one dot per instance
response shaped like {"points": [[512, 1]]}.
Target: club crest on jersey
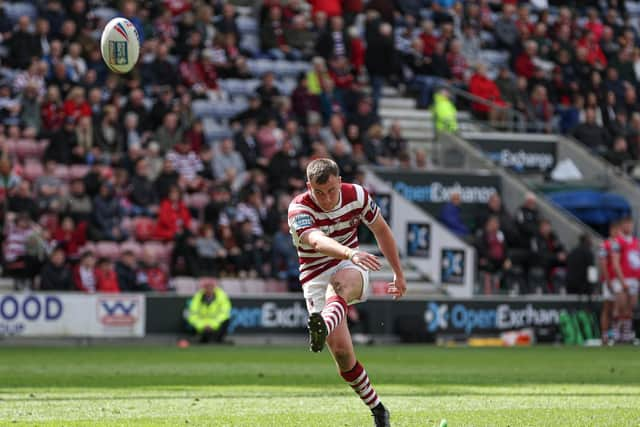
{"points": [[354, 221], [118, 53], [302, 221]]}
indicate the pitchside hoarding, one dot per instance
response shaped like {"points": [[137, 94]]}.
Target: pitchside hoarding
{"points": [[522, 156], [431, 190], [72, 315], [455, 317]]}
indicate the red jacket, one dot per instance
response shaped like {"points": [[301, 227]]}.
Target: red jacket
{"points": [[485, 88], [524, 66], [71, 109], [171, 220], [107, 281], [330, 7], [72, 241], [357, 54]]}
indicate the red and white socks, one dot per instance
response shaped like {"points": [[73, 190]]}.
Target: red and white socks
{"points": [[358, 379], [333, 312]]}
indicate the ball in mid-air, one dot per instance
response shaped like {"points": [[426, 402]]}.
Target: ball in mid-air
{"points": [[120, 45]]}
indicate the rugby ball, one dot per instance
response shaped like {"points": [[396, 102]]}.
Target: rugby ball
{"points": [[120, 45]]}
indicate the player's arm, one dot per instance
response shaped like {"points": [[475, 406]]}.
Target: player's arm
{"points": [[324, 244], [389, 248]]}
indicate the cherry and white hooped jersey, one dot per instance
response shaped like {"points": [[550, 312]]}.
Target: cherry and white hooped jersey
{"points": [[605, 250], [629, 249], [341, 224]]}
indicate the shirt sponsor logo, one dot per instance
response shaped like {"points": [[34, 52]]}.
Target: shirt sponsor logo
{"points": [[302, 221]]}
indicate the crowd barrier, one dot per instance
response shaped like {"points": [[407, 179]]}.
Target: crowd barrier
{"points": [[135, 315]]}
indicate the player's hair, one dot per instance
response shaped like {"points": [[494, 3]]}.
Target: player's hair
{"points": [[320, 170]]}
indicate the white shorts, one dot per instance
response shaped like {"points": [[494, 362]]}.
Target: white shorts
{"points": [[315, 290], [607, 295], [632, 283]]}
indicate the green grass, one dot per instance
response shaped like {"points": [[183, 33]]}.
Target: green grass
{"points": [[285, 386]]}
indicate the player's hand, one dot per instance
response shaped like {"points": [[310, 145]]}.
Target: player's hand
{"points": [[397, 288], [366, 261]]}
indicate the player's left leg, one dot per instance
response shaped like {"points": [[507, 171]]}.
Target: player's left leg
{"points": [[345, 286], [341, 347]]}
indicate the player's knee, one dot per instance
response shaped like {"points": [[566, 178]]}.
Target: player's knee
{"points": [[348, 284]]}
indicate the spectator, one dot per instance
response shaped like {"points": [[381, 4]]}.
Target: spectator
{"points": [[247, 145], [127, 273], [506, 222], [590, 134], [78, 203], [151, 275], [70, 237], [173, 216], [187, 163], [55, 275], [483, 87], [106, 277], [168, 178], [60, 149], [48, 188], [528, 218], [547, 254], [211, 254], [284, 258], [579, 260], [335, 41], [620, 156], [284, 169], [267, 91], [23, 44], [209, 311], [169, 134], [394, 143], [379, 58], [450, 216], [228, 165], [444, 112], [22, 200], [505, 28], [143, 195], [16, 263], [106, 218], [250, 260], [493, 259]]}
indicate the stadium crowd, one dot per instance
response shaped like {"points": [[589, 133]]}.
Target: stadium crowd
{"points": [[186, 165]]}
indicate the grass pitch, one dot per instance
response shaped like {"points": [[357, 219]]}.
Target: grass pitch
{"points": [[287, 386]]}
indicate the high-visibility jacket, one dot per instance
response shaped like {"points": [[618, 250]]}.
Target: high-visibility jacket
{"points": [[445, 114], [213, 314]]}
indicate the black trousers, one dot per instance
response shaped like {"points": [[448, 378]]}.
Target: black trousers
{"points": [[217, 335]]}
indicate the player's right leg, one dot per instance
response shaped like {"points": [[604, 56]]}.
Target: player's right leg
{"points": [[341, 347]]}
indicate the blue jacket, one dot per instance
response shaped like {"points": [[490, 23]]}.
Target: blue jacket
{"points": [[450, 217]]}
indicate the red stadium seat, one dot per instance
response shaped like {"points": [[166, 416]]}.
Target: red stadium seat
{"points": [[62, 172], [143, 228], [197, 200], [156, 249], [78, 171], [133, 246], [33, 171], [109, 250]]}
